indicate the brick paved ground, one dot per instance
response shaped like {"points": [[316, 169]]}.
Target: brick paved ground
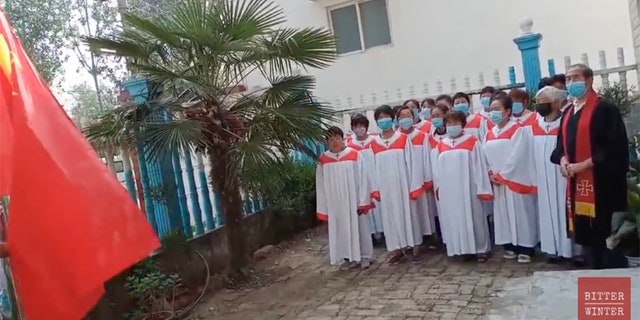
{"points": [[298, 283]]}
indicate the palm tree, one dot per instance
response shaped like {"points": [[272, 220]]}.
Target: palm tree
{"points": [[198, 54]]}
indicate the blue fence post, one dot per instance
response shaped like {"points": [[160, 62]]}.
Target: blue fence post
{"points": [[529, 44], [512, 75], [193, 198], [206, 198], [128, 174], [182, 198], [551, 65], [217, 204]]}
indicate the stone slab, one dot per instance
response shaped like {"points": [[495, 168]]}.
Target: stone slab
{"points": [[552, 295]]}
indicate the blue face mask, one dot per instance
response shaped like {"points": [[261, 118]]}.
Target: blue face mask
{"points": [[517, 108], [462, 107], [405, 123], [485, 102], [437, 122], [577, 89], [416, 113], [495, 116], [425, 114], [385, 124], [454, 130]]}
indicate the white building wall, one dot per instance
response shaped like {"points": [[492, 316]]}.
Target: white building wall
{"points": [[436, 40]]}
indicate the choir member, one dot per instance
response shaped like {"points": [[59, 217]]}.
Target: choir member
{"points": [[362, 143], [485, 100], [394, 184], [519, 110], [462, 181], [421, 166], [343, 199], [554, 240], [508, 150]]}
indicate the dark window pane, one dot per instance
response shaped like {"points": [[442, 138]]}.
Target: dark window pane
{"points": [[345, 28], [375, 23]]}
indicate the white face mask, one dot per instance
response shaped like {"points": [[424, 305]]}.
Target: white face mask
{"points": [[360, 131]]}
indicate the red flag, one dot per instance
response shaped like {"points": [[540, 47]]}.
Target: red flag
{"points": [[71, 225]]}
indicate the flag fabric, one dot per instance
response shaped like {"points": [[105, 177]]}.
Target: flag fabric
{"points": [[71, 224]]}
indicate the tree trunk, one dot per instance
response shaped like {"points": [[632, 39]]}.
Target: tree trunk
{"points": [[135, 166], [227, 185]]}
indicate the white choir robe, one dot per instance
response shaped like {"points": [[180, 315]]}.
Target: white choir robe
{"points": [[421, 166], [342, 188], [509, 154], [434, 206], [477, 125], [551, 191], [393, 185], [526, 119], [462, 183], [364, 147]]}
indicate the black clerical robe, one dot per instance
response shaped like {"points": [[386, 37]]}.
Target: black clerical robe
{"points": [[608, 141]]}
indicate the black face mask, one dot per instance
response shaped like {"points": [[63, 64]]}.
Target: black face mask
{"points": [[544, 109]]}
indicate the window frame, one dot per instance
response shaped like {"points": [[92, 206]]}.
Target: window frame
{"points": [[363, 48]]}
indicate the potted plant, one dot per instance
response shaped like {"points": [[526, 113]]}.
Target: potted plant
{"points": [[626, 225], [153, 292]]}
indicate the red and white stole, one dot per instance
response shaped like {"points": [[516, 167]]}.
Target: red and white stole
{"points": [[585, 201]]}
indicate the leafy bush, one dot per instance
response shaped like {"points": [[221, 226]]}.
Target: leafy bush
{"points": [[626, 225], [289, 188], [152, 290], [620, 95]]}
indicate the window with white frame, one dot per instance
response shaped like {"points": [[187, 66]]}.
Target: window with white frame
{"points": [[360, 25]]}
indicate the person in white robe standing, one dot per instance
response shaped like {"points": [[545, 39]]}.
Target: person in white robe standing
{"points": [[485, 101], [421, 166], [552, 186], [508, 149], [438, 133], [463, 182], [394, 185], [343, 199], [361, 141], [520, 113]]}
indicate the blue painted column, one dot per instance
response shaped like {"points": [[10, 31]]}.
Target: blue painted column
{"points": [[529, 44], [128, 174], [219, 217], [205, 194], [182, 198], [149, 208], [512, 75], [193, 197], [551, 65]]}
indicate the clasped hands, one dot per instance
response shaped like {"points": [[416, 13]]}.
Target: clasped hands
{"points": [[571, 169], [493, 178]]}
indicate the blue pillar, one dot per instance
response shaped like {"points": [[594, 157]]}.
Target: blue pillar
{"points": [[149, 208], [182, 198], [128, 174], [205, 195], [529, 45], [218, 206], [193, 197], [552, 67]]}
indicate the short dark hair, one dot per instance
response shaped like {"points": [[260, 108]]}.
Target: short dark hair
{"points": [[334, 131], [359, 119], [400, 108], [546, 81], [412, 100], [462, 95], [519, 94], [504, 99], [428, 101], [445, 97], [456, 116], [586, 71], [488, 89], [384, 109], [442, 107], [560, 77]]}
